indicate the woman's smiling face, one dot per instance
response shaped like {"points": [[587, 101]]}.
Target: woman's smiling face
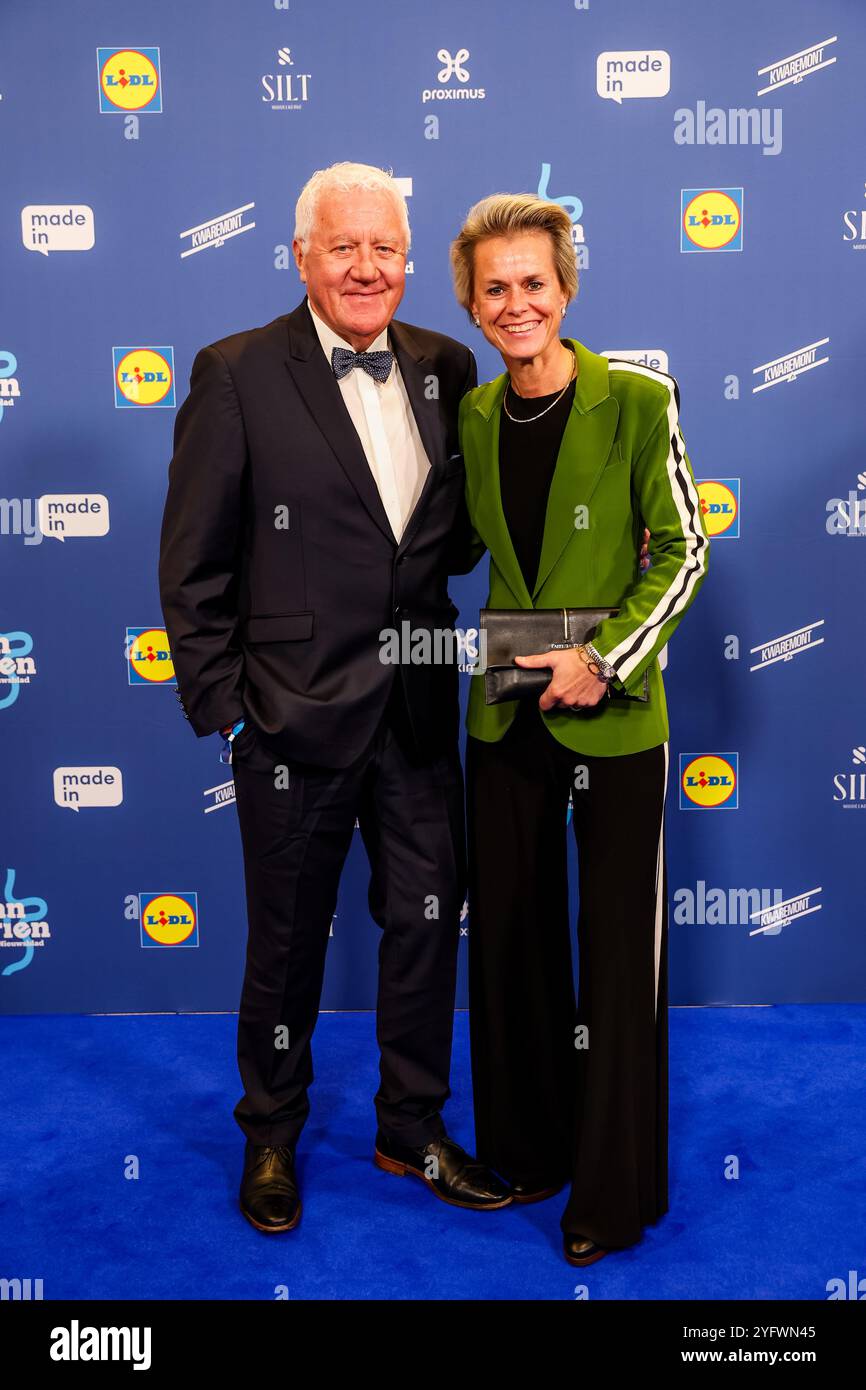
{"points": [[517, 294]]}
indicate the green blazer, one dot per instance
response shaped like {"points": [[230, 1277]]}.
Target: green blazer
{"points": [[622, 464]]}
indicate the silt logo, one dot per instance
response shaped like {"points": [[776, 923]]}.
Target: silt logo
{"points": [[148, 657], [720, 506], [129, 80], [143, 376], [709, 781], [168, 919], [711, 219]]}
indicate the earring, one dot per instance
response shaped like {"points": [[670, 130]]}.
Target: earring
{"points": [[477, 321], [562, 312]]}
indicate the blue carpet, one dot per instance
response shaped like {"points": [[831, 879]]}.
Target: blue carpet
{"points": [[781, 1089]]}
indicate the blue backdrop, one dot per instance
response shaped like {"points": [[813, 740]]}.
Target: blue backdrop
{"points": [[711, 160]]}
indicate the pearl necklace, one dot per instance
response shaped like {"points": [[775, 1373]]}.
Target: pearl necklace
{"points": [[528, 419]]}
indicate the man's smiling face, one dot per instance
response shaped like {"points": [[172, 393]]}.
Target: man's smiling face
{"points": [[354, 263]]}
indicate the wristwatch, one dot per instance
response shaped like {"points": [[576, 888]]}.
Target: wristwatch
{"points": [[606, 672]]}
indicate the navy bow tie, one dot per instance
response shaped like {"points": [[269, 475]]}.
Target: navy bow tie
{"points": [[376, 364]]}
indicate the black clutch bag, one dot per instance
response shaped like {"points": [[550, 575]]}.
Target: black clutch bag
{"points": [[509, 632]]}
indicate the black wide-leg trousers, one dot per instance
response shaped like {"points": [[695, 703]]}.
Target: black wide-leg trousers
{"points": [[570, 1090], [296, 823]]}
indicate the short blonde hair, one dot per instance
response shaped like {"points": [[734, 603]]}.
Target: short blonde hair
{"points": [[343, 178], [509, 214]]}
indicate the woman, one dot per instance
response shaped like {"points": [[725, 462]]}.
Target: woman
{"points": [[568, 455]]}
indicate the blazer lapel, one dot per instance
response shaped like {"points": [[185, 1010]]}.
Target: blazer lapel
{"points": [[583, 453], [317, 384], [490, 520]]}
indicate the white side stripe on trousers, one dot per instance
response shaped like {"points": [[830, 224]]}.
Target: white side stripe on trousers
{"points": [[661, 902]]}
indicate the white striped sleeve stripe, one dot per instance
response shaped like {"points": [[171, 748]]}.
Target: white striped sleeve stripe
{"points": [[632, 649]]}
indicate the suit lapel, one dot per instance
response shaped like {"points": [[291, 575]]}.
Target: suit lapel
{"points": [[415, 369], [317, 384]]}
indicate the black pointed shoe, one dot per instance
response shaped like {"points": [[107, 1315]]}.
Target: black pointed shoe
{"points": [[449, 1171], [580, 1250], [269, 1197]]}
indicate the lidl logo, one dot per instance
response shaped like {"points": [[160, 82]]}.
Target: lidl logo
{"points": [[129, 80], [720, 506], [168, 919], [709, 781], [711, 219], [148, 657], [143, 376]]}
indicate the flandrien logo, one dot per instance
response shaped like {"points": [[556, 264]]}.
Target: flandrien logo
{"points": [[10, 391], [24, 926], [789, 645], [792, 365], [77, 1343], [574, 207], [796, 66], [453, 65], [217, 231], [17, 665]]}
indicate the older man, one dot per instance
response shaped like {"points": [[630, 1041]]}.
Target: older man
{"points": [[315, 497]]}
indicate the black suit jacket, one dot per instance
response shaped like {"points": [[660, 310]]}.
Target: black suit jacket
{"points": [[278, 570]]}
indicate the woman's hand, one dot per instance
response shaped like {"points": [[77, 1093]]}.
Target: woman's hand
{"points": [[572, 682], [644, 553]]}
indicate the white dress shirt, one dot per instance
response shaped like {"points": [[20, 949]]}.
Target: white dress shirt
{"points": [[385, 423]]}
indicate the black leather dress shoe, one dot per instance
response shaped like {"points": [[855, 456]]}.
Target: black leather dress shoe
{"points": [[535, 1191], [449, 1171], [580, 1250], [269, 1196]]}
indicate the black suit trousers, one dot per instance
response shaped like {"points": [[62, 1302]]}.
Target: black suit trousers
{"points": [[297, 820]]}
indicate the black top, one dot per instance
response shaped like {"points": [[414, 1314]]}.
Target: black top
{"points": [[527, 459]]}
